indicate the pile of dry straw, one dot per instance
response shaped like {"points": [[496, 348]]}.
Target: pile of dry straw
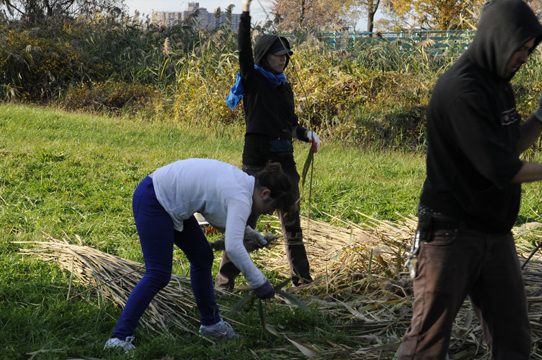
{"points": [[360, 279]]}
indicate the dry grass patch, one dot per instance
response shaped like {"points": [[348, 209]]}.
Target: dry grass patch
{"points": [[360, 280]]}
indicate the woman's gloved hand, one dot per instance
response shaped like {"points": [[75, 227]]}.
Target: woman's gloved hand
{"points": [[314, 139], [251, 234], [265, 291]]}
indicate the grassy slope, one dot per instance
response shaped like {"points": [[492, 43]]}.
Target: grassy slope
{"points": [[68, 174]]}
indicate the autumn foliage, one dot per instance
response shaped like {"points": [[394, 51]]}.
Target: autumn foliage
{"points": [[312, 14], [369, 91], [437, 14]]}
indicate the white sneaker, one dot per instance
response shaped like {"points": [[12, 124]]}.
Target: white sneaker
{"points": [[118, 343], [220, 331]]}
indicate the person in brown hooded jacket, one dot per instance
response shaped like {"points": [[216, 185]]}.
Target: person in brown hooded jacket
{"points": [[271, 125], [471, 195]]}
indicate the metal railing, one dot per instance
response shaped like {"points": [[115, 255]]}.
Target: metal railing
{"points": [[432, 41]]}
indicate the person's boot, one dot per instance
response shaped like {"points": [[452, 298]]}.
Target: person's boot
{"points": [[298, 261], [227, 272]]}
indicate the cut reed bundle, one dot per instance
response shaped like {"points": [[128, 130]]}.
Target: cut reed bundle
{"points": [[113, 278], [348, 259], [361, 281]]}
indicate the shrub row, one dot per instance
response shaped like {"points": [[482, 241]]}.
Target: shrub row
{"points": [[370, 92]]}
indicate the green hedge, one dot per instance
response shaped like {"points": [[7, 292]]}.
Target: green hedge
{"points": [[371, 93]]}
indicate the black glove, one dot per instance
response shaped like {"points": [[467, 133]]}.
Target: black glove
{"points": [[265, 291]]}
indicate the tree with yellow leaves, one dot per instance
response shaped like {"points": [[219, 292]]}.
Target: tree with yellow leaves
{"points": [[437, 14]]}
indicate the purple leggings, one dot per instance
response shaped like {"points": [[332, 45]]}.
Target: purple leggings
{"points": [[157, 236]]}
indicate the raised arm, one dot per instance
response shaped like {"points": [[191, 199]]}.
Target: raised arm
{"points": [[244, 44], [246, 5]]}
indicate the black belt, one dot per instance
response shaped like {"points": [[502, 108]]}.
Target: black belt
{"points": [[440, 222]]}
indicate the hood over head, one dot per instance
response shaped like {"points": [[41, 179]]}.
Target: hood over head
{"points": [[504, 27], [268, 43]]}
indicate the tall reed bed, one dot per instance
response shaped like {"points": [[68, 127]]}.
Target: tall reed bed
{"points": [[372, 92]]}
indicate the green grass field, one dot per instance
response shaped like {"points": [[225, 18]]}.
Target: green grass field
{"points": [[68, 174]]}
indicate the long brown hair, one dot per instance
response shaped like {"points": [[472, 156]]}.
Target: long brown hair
{"points": [[273, 178]]}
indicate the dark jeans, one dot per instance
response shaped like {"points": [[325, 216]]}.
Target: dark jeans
{"points": [[157, 236], [293, 241], [461, 262]]}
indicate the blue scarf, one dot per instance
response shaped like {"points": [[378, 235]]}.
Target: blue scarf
{"points": [[237, 92]]}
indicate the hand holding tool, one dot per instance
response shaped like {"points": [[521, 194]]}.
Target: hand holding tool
{"points": [[314, 139]]}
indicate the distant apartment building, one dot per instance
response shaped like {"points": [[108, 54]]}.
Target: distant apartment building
{"points": [[204, 19]]}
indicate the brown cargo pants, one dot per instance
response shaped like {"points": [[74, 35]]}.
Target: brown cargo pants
{"points": [[293, 241], [456, 261]]}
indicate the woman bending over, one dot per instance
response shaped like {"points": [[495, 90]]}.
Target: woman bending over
{"points": [[164, 204]]}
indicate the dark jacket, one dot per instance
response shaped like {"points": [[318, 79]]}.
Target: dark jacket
{"points": [[473, 125], [270, 117]]}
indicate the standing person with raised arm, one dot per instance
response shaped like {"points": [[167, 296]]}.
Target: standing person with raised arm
{"points": [[164, 204], [271, 124], [471, 196]]}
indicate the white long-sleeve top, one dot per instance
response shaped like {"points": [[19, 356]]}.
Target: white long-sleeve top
{"points": [[221, 192]]}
